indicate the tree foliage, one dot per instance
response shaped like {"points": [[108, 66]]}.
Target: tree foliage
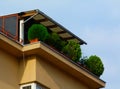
{"points": [[56, 41], [95, 65], [37, 31], [73, 50]]}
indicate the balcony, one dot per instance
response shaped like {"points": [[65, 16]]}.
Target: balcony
{"points": [[16, 26]]}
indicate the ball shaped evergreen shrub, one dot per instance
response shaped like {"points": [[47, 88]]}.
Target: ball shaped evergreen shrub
{"points": [[95, 65], [37, 31], [55, 41], [73, 50]]}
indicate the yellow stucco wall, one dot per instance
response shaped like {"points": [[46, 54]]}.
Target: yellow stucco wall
{"points": [[37, 69], [8, 71], [34, 68], [27, 69], [54, 78]]}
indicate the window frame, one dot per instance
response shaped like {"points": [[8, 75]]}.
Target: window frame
{"points": [[34, 86], [7, 33]]}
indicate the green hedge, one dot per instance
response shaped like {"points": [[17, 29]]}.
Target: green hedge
{"points": [[73, 50], [55, 41], [37, 31], [95, 65]]}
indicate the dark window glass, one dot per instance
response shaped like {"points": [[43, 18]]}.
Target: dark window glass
{"points": [[27, 87], [10, 24], [1, 23], [40, 87]]}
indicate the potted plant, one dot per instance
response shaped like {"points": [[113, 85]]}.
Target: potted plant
{"points": [[72, 50], [95, 65], [37, 32]]}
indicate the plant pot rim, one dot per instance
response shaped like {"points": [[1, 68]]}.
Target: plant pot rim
{"points": [[34, 40]]}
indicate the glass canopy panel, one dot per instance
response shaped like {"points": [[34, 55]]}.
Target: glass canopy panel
{"points": [[47, 23], [56, 29], [38, 17], [65, 35], [75, 40]]}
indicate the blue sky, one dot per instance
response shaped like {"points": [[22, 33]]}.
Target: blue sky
{"points": [[95, 21]]}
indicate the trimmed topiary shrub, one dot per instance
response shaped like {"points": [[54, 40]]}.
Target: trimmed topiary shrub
{"points": [[95, 65], [73, 50], [37, 31], [55, 41]]}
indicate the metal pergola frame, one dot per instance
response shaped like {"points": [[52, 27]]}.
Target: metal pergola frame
{"points": [[51, 24]]}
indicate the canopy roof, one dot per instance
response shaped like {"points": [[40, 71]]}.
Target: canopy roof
{"points": [[51, 24]]}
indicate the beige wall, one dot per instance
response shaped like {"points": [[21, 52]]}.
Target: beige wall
{"points": [[27, 69], [14, 71], [54, 78], [8, 71], [50, 75], [36, 69]]}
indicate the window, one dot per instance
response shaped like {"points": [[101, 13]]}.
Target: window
{"points": [[38, 87], [32, 86], [1, 24], [9, 25], [27, 87]]}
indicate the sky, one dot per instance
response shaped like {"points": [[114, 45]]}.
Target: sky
{"points": [[95, 21]]}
